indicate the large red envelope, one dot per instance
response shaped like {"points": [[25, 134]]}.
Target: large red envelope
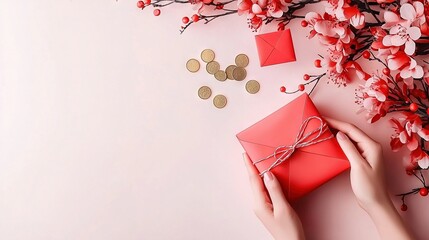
{"points": [[308, 167], [275, 47]]}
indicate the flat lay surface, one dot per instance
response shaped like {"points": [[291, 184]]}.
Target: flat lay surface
{"points": [[104, 133]]}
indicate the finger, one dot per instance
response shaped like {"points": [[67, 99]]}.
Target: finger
{"points": [[350, 150], [251, 169], [280, 204], [258, 189], [353, 132], [370, 149]]}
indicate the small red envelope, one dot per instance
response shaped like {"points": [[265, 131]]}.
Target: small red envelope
{"points": [[275, 48], [308, 167]]}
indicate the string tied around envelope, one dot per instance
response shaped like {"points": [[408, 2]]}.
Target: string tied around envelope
{"points": [[284, 152]]}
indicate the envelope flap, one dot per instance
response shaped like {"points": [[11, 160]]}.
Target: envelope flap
{"points": [[265, 49], [283, 50], [271, 38], [280, 128], [285, 44], [278, 56]]}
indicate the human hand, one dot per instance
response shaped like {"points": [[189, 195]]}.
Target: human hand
{"points": [[366, 161], [368, 181], [271, 206]]}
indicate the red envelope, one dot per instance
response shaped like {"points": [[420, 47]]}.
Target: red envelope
{"points": [[308, 167], [275, 48]]}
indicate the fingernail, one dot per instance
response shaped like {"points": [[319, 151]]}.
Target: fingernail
{"points": [[268, 176], [341, 136]]}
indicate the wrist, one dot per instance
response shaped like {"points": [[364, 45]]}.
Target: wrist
{"points": [[381, 209], [387, 220], [380, 204]]}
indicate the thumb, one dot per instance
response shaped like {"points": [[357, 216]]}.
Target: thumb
{"points": [[278, 199], [349, 149]]}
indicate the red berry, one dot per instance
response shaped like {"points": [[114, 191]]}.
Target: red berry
{"points": [[304, 23], [386, 71], [140, 4], [301, 87], [282, 89], [185, 20], [366, 54], [414, 107], [423, 191], [195, 18], [147, 2], [427, 111], [288, 1], [219, 6], [156, 12], [404, 207], [318, 63], [306, 77]]}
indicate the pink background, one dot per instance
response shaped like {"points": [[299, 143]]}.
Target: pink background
{"points": [[102, 134]]}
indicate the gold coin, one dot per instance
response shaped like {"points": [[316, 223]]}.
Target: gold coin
{"points": [[252, 86], [204, 92], [193, 65], [212, 67], [220, 75], [207, 55], [229, 71], [219, 101], [242, 60], [239, 73]]}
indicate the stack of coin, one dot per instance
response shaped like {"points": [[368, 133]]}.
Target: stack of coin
{"points": [[238, 71], [232, 72], [213, 67]]}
